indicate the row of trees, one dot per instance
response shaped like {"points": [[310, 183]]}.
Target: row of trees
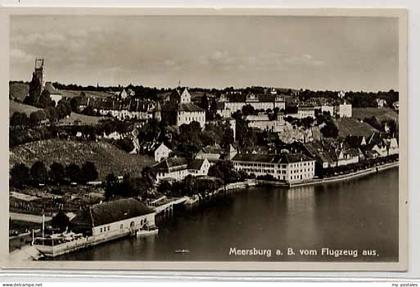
{"points": [[38, 174], [53, 114], [142, 187]]}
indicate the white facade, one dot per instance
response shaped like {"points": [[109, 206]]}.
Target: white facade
{"points": [[306, 113], [274, 126], [162, 152], [393, 147], [56, 98], [327, 109], [290, 172], [344, 110], [180, 172], [123, 226], [345, 159], [187, 117]]}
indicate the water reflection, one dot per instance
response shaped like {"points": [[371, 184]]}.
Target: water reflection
{"points": [[361, 214]]}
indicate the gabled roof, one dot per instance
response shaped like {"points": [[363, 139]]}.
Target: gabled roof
{"points": [[196, 164], [213, 149], [189, 107], [111, 211], [171, 164]]}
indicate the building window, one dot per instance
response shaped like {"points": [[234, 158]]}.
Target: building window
{"points": [[121, 226]]}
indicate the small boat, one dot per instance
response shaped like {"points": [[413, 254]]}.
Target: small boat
{"points": [[147, 231], [182, 251]]}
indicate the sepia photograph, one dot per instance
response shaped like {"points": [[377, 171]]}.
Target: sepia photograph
{"points": [[214, 139]]}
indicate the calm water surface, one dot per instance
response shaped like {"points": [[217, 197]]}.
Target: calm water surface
{"points": [[360, 214]]}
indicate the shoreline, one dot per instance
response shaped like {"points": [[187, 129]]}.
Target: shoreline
{"points": [[338, 178]]}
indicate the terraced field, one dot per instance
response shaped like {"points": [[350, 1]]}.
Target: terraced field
{"points": [[106, 156], [350, 126], [380, 114]]}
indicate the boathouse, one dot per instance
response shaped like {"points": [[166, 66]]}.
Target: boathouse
{"points": [[113, 218]]}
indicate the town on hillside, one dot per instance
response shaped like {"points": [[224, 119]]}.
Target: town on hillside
{"points": [[91, 159]]}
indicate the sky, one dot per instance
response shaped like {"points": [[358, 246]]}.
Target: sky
{"points": [[319, 53]]}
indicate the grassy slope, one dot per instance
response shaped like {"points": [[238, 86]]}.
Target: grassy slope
{"points": [[19, 107], [18, 91], [74, 93], [85, 120], [353, 127], [107, 157], [381, 114]]}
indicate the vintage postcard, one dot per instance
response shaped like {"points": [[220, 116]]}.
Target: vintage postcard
{"points": [[206, 139]]}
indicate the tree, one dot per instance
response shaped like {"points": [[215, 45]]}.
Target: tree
{"points": [[45, 100], [248, 110], [89, 111], [125, 144], [73, 172], [36, 117], [227, 137], [39, 173], [111, 183], [74, 104], [19, 175], [57, 173], [204, 103], [225, 171], [330, 130], [19, 119], [51, 114], [34, 91], [89, 171], [63, 109], [60, 221]]}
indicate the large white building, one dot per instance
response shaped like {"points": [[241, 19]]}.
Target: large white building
{"points": [[113, 219], [177, 168], [263, 122], [258, 102], [344, 110], [288, 167]]}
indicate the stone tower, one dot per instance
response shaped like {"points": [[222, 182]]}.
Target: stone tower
{"points": [[39, 71]]}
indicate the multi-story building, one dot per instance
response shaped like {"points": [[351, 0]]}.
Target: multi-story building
{"points": [[258, 102], [288, 167], [180, 110], [177, 168], [344, 110]]}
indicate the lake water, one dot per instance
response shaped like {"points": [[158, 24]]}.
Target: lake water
{"points": [[361, 214]]}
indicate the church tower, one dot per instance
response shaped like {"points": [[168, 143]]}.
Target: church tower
{"points": [[39, 71]]}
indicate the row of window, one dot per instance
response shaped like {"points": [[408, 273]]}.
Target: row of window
{"points": [[301, 170], [105, 228]]}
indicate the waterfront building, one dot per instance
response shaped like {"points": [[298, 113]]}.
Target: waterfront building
{"points": [[113, 219], [177, 168], [180, 110], [288, 167]]}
